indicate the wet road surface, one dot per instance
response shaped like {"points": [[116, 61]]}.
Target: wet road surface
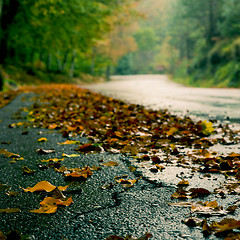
{"points": [[158, 92]]}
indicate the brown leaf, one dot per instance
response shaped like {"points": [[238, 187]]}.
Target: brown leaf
{"points": [[110, 164], [129, 237], [225, 225], [76, 173], [88, 147], [183, 183]]}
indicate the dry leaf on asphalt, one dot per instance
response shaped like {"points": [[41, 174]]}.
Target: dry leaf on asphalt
{"points": [[43, 186]]}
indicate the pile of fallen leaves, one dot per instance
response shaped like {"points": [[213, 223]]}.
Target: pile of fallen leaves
{"points": [[8, 96], [113, 126]]}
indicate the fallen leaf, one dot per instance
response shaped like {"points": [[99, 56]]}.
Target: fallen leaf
{"points": [[43, 139], [193, 222], [225, 225], [5, 153], [53, 160], [183, 183], [12, 193], [43, 186], [129, 237], [126, 183], [49, 205], [69, 142], [78, 173], [88, 147], [71, 155], [208, 208], [44, 151], [159, 167], [10, 210], [110, 164], [207, 128], [4, 187], [27, 170], [233, 236]]}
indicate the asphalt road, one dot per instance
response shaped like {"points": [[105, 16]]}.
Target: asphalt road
{"points": [[158, 92], [96, 213]]}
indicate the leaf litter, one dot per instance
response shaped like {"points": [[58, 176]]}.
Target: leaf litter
{"points": [[117, 127]]}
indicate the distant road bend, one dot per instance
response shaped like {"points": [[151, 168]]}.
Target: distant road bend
{"points": [[158, 92]]}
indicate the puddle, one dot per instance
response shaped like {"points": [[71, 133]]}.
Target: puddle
{"points": [[172, 175]]}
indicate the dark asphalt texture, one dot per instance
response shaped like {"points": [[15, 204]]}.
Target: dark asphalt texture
{"points": [[95, 213]]}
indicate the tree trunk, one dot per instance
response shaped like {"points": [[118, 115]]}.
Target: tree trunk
{"points": [[1, 4], [65, 60], [8, 10], [59, 62], [73, 64], [49, 62], [93, 65], [108, 70], [1, 81]]}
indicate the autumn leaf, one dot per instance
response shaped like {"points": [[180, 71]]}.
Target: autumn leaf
{"points": [[70, 155], [4, 187], [208, 208], [45, 151], [27, 170], [129, 237], [172, 131], [183, 183], [110, 164], [10, 210], [53, 160], [43, 139], [43, 186], [69, 142], [78, 173], [225, 225], [7, 154], [126, 183], [207, 128], [88, 147]]}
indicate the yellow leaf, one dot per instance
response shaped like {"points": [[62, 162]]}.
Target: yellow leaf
{"points": [[49, 205], [43, 186], [42, 139], [126, 183], [171, 131], [10, 210], [207, 128], [71, 155], [7, 154], [69, 142], [53, 160]]}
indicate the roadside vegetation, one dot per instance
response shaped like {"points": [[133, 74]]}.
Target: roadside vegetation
{"points": [[195, 42]]}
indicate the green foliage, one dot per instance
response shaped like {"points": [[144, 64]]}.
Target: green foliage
{"points": [[53, 35]]}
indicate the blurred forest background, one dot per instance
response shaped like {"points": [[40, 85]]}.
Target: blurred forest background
{"points": [[195, 42]]}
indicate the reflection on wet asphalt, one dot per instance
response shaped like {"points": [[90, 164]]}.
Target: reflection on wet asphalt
{"points": [[157, 92]]}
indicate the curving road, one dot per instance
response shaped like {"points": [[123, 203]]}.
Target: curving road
{"points": [[158, 92]]}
